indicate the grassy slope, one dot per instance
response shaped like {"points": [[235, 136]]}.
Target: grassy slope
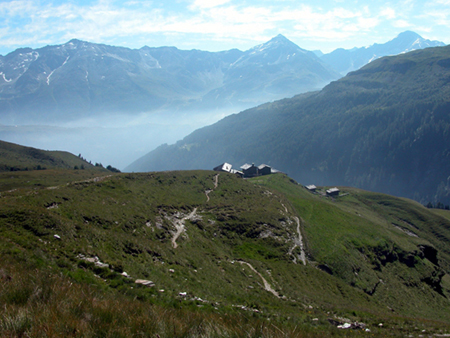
{"points": [[361, 238], [124, 220], [15, 157]]}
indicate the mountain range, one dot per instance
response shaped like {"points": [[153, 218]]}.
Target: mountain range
{"points": [[79, 79], [382, 128], [347, 60]]}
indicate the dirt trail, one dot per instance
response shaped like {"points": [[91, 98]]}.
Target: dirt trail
{"points": [[216, 184], [89, 180], [299, 241], [179, 225], [267, 286]]}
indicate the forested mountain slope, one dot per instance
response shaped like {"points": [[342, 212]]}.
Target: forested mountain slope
{"points": [[383, 128]]}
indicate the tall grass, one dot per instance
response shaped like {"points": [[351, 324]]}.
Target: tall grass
{"points": [[39, 303]]}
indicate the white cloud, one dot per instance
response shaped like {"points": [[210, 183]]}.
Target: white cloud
{"points": [[388, 13], [208, 3], [185, 22], [440, 2], [401, 24]]}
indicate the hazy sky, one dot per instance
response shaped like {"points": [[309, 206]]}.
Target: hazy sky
{"points": [[219, 24]]}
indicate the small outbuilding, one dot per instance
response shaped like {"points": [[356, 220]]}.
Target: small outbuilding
{"points": [[311, 188], [333, 192], [237, 173], [264, 169]]}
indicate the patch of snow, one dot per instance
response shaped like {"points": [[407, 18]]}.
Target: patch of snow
{"points": [[374, 57], [4, 77], [67, 59], [417, 42], [114, 56], [49, 76]]}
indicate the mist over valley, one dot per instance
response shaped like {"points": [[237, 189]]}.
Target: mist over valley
{"points": [[117, 140]]}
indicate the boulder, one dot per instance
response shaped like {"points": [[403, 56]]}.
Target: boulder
{"points": [[144, 282]]}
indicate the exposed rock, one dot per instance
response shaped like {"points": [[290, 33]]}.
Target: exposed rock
{"points": [[344, 323], [145, 282], [94, 260]]}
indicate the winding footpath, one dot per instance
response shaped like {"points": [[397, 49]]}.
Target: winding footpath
{"points": [[299, 241], [179, 225], [216, 184], [267, 286]]}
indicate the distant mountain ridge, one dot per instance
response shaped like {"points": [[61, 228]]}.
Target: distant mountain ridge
{"points": [[382, 128], [78, 79], [347, 60]]}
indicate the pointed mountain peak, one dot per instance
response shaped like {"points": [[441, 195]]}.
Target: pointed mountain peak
{"points": [[409, 35], [408, 41], [75, 42], [279, 41], [280, 38]]}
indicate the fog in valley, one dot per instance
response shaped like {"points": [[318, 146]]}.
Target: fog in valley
{"points": [[115, 140]]}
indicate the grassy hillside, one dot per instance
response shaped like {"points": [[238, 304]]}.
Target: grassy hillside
{"points": [[14, 157], [224, 257], [382, 128]]}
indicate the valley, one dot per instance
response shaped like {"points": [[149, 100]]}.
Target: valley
{"points": [[115, 104], [382, 128]]}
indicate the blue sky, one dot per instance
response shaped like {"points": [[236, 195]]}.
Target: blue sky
{"points": [[219, 24]]}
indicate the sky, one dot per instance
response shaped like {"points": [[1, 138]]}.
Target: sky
{"points": [[214, 25]]}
